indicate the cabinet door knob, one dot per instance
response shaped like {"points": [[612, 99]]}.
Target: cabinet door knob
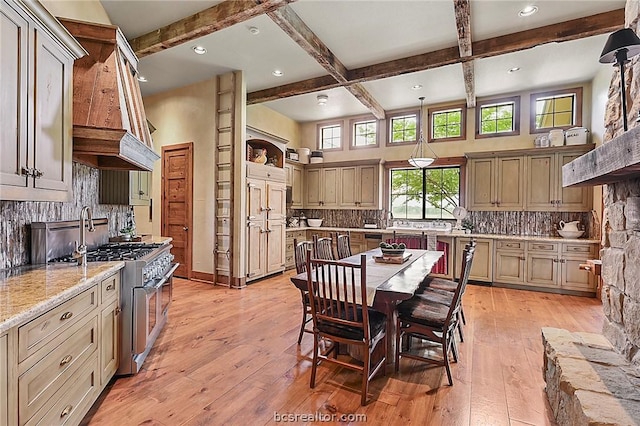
{"points": [[185, 228], [66, 360], [25, 171], [66, 411], [141, 192], [66, 315], [37, 173]]}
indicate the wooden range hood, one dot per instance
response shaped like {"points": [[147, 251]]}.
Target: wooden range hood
{"points": [[109, 124]]}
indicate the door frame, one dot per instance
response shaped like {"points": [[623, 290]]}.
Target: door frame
{"points": [[188, 146]]}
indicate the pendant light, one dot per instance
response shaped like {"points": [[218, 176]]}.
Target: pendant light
{"points": [[418, 157]]}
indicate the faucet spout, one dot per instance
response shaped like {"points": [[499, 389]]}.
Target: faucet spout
{"points": [[80, 252]]}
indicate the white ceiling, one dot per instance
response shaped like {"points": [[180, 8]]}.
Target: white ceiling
{"points": [[366, 32]]}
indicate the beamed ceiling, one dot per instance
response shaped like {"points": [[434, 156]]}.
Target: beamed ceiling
{"points": [[367, 56]]}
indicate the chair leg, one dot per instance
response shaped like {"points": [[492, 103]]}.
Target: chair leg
{"points": [[459, 326], [304, 318], [366, 368], [454, 346], [316, 348], [445, 354], [398, 347], [464, 321]]}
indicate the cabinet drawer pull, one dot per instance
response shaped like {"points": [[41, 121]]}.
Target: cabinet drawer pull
{"points": [[66, 411], [66, 316], [66, 360], [110, 287]]}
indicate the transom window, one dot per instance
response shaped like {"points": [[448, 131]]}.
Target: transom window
{"points": [[403, 128], [330, 136], [498, 117], [365, 133], [559, 109], [424, 193], [447, 123]]}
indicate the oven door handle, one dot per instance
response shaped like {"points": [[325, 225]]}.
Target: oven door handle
{"points": [[166, 276]]}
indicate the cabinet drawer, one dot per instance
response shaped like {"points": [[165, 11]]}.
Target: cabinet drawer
{"points": [[356, 238], [266, 172], [44, 379], [109, 288], [38, 332], [510, 245], [577, 248], [73, 400], [543, 247]]}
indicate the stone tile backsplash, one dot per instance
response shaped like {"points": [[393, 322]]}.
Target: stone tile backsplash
{"points": [[15, 234]]}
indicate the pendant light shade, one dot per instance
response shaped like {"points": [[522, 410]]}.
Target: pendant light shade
{"points": [[420, 156]]}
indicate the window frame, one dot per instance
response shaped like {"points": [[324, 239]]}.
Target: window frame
{"points": [[463, 122], [389, 127], [498, 101], [461, 177], [352, 131], [577, 113], [325, 124]]}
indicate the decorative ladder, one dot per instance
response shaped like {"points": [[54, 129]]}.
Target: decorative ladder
{"points": [[224, 164]]}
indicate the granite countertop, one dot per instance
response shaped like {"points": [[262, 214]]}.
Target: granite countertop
{"points": [[155, 239], [449, 234], [28, 291]]}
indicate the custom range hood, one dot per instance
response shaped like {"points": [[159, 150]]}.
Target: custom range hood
{"points": [[109, 124]]}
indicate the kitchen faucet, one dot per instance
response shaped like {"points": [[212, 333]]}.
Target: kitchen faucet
{"points": [[80, 252]]}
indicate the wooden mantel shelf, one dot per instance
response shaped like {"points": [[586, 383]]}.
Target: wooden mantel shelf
{"points": [[613, 161]]}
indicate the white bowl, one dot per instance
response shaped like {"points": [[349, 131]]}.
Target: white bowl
{"points": [[314, 222], [570, 234]]}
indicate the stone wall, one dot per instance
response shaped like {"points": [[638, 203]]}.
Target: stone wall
{"points": [[15, 233], [621, 223]]}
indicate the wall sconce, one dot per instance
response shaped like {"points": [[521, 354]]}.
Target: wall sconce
{"points": [[621, 45]]}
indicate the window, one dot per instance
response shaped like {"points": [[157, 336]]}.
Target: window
{"points": [[403, 128], [559, 109], [447, 124], [330, 136], [424, 193], [498, 117], [365, 133]]}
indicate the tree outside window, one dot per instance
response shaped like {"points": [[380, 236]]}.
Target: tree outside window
{"points": [[365, 133], [404, 128], [424, 193], [447, 123], [498, 117]]}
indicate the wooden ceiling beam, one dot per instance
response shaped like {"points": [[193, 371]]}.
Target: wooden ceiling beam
{"points": [[462, 11], [602, 23], [208, 21], [286, 18]]}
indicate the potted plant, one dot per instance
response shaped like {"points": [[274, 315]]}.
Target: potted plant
{"points": [[128, 233], [467, 225]]}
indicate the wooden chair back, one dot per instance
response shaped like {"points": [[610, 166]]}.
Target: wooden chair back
{"points": [[343, 245], [300, 252], [323, 248], [456, 303]]}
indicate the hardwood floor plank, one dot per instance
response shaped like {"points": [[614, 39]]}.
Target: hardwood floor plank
{"points": [[230, 356]]}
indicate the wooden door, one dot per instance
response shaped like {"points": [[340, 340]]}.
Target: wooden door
{"points": [[578, 199], [481, 192], [349, 186], [177, 199], [368, 186], [540, 182], [313, 194], [13, 102], [330, 187], [509, 183]]}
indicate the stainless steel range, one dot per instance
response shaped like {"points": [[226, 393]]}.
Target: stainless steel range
{"points": [[146, 282]]}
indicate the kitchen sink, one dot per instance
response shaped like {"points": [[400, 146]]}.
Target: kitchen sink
{"points": [[428, 227]]}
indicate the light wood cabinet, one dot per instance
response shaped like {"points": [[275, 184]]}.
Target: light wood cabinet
{"points": [[295, 179], [4, 381], [544, 184], [322, 187], [510, 262], [360, 187], [125, 187], [109, 329], [496, 183], [36, 135], [482, 266], [266, 227], [299, 236]]}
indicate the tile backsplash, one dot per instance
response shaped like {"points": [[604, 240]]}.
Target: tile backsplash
{"points": [[15, 234]]}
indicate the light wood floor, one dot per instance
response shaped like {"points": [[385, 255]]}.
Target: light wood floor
{"points": [[230, 357]]}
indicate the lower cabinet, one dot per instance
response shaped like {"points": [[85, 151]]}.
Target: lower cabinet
{"points": [[509, 262], [290, 258], [63, 358], [482, 266]]}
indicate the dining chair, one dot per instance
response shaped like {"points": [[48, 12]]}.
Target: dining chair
{"points": [[323, 248], [300, 252], [431, 321], [338, 296], [343, 245]]}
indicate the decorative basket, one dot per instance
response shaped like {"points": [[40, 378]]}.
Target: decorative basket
{"points": [[392, 252]]}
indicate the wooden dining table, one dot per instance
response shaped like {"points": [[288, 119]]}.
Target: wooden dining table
{"points": [[392, 283]]}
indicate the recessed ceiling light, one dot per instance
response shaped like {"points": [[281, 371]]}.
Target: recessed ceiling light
{"points": [[254, 30], [277, 73], [199, 50], [142, 78], [416, 87], [514, 69], [528, 10]]}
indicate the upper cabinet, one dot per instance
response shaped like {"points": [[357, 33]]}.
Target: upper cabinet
{"points": [[295, 180], [525, 180], [35, 136]]}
